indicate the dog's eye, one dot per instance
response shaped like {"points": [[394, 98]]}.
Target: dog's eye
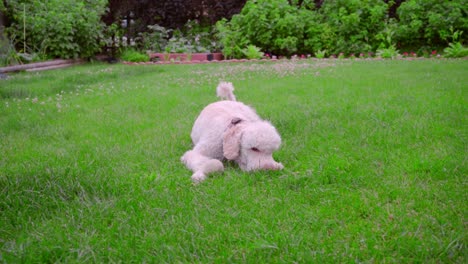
{"points": [[255, 149]]}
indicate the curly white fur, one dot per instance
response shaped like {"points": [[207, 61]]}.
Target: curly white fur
{"points": [[225, 91], [231, 130]]}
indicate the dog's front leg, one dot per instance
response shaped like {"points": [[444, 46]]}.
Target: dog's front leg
{"points": [[200, 165]]}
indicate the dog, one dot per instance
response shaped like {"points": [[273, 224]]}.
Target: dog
{"points": [[231, 130]]}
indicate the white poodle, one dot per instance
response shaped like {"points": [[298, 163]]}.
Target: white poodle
{"points": [[231, 130]]}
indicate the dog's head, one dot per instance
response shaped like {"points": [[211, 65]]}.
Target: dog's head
{"points": [[251, 145]]}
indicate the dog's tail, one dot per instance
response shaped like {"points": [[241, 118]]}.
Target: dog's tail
{"points": [[225, 91]]}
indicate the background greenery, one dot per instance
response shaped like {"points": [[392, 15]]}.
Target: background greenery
{"points": [[374, 155], [342, 26], [56, 28], [76, 28]]}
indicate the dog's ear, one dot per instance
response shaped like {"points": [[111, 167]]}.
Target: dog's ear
{"points": [[231, 141]]}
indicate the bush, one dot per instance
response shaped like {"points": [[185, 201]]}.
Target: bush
{"points": [[155, 39], [427, 23], [231, 38], [388, 53], [58, 28], [354, 24], [455, 49], [273, 25], [132, 55], [193, 37], [341, 26], [252, 52], [280, 28]]}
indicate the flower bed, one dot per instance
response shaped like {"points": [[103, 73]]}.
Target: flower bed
{"points": [[180, 59]]}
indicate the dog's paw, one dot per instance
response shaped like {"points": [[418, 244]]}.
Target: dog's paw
{"points": [[279, 166], [273, 166], [198, 177], [213, 165]]}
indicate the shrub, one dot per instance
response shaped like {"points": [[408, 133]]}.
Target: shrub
{"points": [[286, 27], [319, 34], [231, 38], [387, 48], [252, 52], [200, 38], [455, 49], [58, 28], [354, 24], [273, 25], [155, 39], [320, 54], [132, 55], [428, 22], [280, 28], [193, 37], [388, 53]]}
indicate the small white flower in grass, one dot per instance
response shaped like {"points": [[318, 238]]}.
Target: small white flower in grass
{"points": [[34, 100]]}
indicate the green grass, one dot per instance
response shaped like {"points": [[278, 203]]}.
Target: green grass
{"points": [[374, 155]]}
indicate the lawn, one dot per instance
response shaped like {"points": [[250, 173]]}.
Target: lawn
{"points": [[374, 154]]}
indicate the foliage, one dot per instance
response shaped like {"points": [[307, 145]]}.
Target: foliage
{"points": [[189, 24], [58, 28], [200, 38], [354, 24], [319, 34], [231, 38], [428, 22], [455, 48], [155, 39], [275, 26], [281, 28], [387, 48], [191, 38], [252, 52], [113, 40], [341, 26], [320, 54], [389, 52], [134, 56], [74, 28], [7, 51], [9, 55], [171, 14]]}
